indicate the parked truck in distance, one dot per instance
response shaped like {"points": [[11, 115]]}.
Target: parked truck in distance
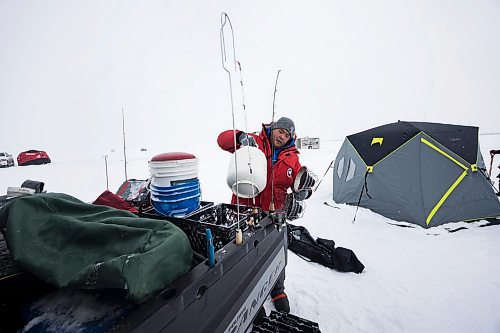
{"points": [[308, 143]]}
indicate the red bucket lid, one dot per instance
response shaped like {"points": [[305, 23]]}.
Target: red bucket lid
{"points": [[173, 156]]}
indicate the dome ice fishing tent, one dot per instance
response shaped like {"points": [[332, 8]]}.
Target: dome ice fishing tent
{"points": [[423, 173]]}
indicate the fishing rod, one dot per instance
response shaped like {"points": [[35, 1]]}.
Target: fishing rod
{"points": [[106, 164], [271, 205], [246, 132], [124, 146], [492, 156], [226, 23]]}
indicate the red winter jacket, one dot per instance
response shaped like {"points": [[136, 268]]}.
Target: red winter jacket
{"points": [[285, 169]]}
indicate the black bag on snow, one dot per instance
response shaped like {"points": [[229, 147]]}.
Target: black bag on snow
{"points": [[322, 251]]}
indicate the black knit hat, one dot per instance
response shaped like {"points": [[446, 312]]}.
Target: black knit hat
{"points": [[285, 123]]}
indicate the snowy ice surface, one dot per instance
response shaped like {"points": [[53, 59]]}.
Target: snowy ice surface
{"points": [[415, 279]]}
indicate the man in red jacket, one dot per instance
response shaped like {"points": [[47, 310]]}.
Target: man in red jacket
{"points": [[277, 141]]}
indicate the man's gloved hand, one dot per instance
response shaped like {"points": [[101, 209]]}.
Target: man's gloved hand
{"points": [[302, 194], [246, 139], [293, 209]]}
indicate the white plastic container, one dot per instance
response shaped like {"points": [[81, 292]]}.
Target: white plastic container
{"points": [[252, 172], [182, 173], [172, 169], [171, 180], [168, 169]]}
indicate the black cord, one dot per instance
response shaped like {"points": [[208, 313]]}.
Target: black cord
{"points": [[365, 187]]}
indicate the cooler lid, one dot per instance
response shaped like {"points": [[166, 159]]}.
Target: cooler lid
{"points": [[172, 156]]}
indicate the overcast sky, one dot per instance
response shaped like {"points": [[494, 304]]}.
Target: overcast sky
{"points": [[68, 67]]}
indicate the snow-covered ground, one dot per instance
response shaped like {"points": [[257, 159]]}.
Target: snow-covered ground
{"points": [[415, 279]]}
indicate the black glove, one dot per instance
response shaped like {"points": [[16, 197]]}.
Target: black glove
{"points": [[302, 194], [246, 139], [293, 209]]}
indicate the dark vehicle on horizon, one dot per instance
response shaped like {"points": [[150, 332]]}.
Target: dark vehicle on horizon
{"points": [[33, 157]]}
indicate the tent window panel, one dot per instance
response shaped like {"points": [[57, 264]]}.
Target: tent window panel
{"points": [[351, 169], [340, 167]]}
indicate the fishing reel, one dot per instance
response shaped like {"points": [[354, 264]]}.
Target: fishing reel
{"points": [[278, 218], [253, 218], [292, 210]]}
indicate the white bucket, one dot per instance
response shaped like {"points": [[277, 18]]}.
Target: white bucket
{"points": [[252, 172], [169, 168], [171, 180], [175, 165], [172, 170], [176, 173]]}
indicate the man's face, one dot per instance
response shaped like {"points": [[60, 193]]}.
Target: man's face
{"points": [[279, 137]]}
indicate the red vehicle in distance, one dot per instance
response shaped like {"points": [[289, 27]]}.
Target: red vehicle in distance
{"points": [[33, 157]]}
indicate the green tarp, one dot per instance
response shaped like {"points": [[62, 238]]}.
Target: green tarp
{"points": [[69, 243]]}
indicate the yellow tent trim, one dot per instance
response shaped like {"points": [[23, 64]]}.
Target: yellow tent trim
{"points": [[452, 188], [473, 167], [369, 169], [377, 140], [443, 153], [445, 196]]}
